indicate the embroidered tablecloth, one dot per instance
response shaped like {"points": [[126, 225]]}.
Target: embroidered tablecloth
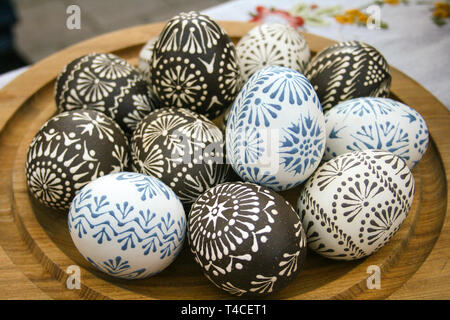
{"points": [[414, 36]]}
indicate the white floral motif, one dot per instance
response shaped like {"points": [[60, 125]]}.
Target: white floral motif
{"points": [[202, 130], [46, 184], [191, 32], [231, 289], [263, 284], [161, 127], [91, 87], [239, 213], [74, 101], [180, 86], [290, 264], [98, 123], [154, 162], [109, 67]]}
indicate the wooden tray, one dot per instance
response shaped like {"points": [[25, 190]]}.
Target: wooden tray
{"points": [[36, 248]]}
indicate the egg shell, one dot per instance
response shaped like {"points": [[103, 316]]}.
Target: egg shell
{"points": [[272, 44], [348, 70], [183, 149], [224, 120], [247, 239], [275, 134], [127, 225], [355, 203], [70, 150], [376, 123], [145, 57], [194, 65], [107, 83]]}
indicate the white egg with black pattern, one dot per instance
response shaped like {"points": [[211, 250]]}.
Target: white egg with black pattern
{"points": [[272, 44], [355, 203]]}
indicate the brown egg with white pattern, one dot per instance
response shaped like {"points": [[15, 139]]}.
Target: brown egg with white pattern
{"points": [[194, 65], [248, 239], [70, 150], [347, 70], [106, 83], [183, 149]]}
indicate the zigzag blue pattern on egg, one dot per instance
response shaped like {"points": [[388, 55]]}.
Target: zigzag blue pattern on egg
{"points": [[104, 220]]}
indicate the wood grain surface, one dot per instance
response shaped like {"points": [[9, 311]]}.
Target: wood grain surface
{"points": [[36, 249]]}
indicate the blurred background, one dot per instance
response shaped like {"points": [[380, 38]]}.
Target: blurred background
{"points": [[413, 35], [34, 29]]}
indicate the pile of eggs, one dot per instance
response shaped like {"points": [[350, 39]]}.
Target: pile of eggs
{"points": [[136, 160]]}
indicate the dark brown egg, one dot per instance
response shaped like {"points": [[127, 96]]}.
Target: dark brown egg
{"points": [[194, 65], [70, 150], [107, 83], [183, 149], [247, 238]]}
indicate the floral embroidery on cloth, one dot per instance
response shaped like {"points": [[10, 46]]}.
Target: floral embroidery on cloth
{"points": [[302, 14]]}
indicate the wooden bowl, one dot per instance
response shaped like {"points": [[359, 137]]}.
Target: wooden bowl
{"points": [[36, 248]]}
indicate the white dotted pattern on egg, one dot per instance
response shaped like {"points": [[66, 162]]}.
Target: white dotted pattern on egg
{"points": [[355, 203], [127, 225], [275, 134], [272, 44], [376, 123]]}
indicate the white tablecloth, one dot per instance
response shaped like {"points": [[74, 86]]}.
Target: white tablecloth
{"points": [[412, 43], [8, 76]]}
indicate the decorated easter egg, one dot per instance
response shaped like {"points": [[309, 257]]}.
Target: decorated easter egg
{"points": [[106, 83], [272, 44], [145, 57], [194, 65], [183, 149], [348, 70], [376, 123], [224, 119], [275, 134], [70, 150], [355, 203], [127, 225], [247, 238]]}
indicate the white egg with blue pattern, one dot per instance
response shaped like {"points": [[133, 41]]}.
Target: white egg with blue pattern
{"points": [[127, 225], [275, 134], [376, 123]]}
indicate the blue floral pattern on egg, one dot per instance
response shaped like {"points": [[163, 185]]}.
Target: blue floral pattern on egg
{"points": [[128, 225], [275, 133], [376, 123]]}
